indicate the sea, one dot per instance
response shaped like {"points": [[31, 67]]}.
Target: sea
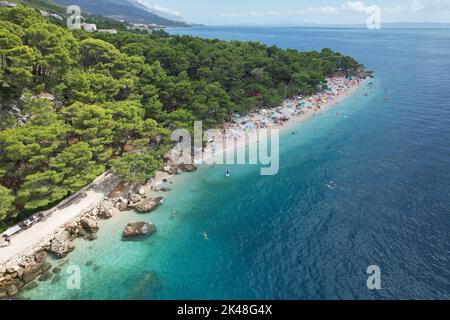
{"points": [[360, 207]]}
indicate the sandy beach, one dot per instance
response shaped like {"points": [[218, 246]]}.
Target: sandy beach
{"points": [[235, 133]]}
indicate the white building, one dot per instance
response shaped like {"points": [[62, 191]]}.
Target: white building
{"points": [[89, 27], [7, 4], [57, 17], [44, 13], [114, 31]]}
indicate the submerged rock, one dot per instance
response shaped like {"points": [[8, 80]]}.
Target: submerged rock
{"points": [[56, 279], [148, 205], [31, 285], [45, 276], [139, 229], [56, 270], [12, 290], [146, 287]]}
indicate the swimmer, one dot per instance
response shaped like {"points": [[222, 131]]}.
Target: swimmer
{"points": [[205, 235], [331, 185]]}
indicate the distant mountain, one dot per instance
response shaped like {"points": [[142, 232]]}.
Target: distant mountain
{"points": [[133, 11]]}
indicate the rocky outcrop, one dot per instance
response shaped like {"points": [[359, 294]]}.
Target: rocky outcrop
{"points": [[148, 205], [62, 245], [23, 271], [187, 167], [122, 204], [171, 169], [107, 210], [30, 267], [135, 198], [89, 224], [138, 230], [86, 226]]}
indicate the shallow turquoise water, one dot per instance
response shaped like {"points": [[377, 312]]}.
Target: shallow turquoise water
{"points": [[289, 236]]}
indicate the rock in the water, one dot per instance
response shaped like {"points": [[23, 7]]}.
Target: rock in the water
{"points": [[138, 229], [107, 210], [45, 276], [56, 270], [31, 286], [56, 279], [89, 225], [12, 290], [121, 206], [61, 245], [148, 205], [187, 167]]}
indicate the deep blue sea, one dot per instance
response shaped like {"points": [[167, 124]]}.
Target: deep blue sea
{"points": [[289, 236]]}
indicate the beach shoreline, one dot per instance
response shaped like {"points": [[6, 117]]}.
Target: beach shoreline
{"points": [[25, 252]]}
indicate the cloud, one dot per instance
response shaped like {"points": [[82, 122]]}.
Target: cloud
{"points": [[414, 6], [323, 10], [437, 5], [358, 6], [327, 10], [361, 7], [355, 6], [158, 8]]}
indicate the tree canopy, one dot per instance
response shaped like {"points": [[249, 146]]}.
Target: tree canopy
{"points": [[117, 96]]}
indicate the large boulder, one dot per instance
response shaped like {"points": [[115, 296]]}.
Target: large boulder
{"points": [[89, 224], [107, 210], [187, 167], [61, 245], [12, 290], [138, 229], [135, 198], [148, 205]]}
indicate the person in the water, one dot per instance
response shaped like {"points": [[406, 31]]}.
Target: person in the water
{"points": [[228, 172], [205, 235]]}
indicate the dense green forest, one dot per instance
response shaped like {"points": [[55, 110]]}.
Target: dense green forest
{"points": [[117, 96]]}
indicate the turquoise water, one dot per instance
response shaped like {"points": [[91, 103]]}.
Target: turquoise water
{"points": [[289, 236]]}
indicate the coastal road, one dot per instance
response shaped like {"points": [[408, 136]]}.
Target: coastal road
{"points": [[30, 237]]}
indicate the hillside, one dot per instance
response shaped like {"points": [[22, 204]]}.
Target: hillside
{"points": [[122, 10]]}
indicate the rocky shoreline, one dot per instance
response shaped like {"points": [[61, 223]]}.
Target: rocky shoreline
{"points": [[31, 266], [22, 272]]}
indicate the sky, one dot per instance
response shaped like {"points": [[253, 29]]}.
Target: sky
{"points": [[302, 12]]}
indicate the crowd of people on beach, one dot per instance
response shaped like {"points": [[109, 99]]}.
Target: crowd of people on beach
{"points": [[239, 125]]}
